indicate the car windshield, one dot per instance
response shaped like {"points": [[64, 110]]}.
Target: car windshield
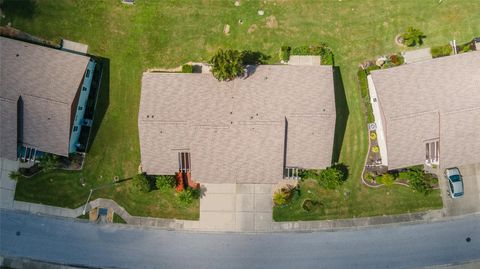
{"points": [[455, 178]]}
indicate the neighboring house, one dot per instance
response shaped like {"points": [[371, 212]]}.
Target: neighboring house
{"points": [[428, 112], [43, 95], [258, 129]]}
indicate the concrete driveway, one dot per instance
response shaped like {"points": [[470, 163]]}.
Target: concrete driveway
{"points": [[236, 207], [470, 202]]}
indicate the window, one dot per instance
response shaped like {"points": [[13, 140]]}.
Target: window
{"points": [[88, 73], [432, 152], [84, 89], [75, 128], [184, 161], [80, 108], [291, 173]]}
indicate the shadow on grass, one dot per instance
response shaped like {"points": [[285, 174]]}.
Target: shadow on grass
{"points": [[103, 101], [342, 112], [19, 8]]}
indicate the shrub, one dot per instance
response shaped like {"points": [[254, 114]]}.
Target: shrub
{"points": [[48, 162], [396, 59], [375, 149], [165, 182], [141, 183], [280, 198], [465, 48], [186, 197], [362, 80], [327, 57], [285, 53], [417, 180], [15, 175], [413, 37], [440, 51], [285, 195], [368, 176], [331, 178], [373, 136], [187, 68], [387, 179], [227, 65]]}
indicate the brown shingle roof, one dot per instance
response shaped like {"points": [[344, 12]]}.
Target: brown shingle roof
{"points": [[235, 130], [47, 80], [423, 101]]}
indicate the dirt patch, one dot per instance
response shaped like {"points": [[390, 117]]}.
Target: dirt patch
{"points": [[252, 28], [226, 29], [272, 22]]}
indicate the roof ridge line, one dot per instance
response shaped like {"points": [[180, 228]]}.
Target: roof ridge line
{"points": [[461, 110], [44, 98], [413, 114]]}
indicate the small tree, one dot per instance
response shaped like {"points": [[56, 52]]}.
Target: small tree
{"points": [[331, 178], [227, 65], [416, 180], [413, 37], [141, 183], [48, 162]]}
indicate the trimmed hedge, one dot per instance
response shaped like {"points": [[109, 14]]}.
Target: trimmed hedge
{"points": [[187, 68], [362, 81], [440, 51], [285, 53]]}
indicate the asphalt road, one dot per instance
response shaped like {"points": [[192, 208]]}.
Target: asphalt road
{"points": [[73, 242]]}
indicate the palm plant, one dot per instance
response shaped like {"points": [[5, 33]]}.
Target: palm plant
{"points": [[227, 65], [412, 37]]}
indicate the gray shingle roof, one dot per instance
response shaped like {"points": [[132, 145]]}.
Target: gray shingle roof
{"points": [[439, 98], [47, 80], [235, 131]]}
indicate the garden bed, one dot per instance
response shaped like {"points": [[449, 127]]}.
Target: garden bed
{"points": [[322, 50]]}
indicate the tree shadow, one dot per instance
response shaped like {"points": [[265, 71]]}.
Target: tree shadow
{"points": [[254, 57], [344, 169], [342, 113], [102, 99], [19, 8]]}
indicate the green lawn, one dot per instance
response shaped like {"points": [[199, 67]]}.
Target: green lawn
{"points": [[168, 33]]}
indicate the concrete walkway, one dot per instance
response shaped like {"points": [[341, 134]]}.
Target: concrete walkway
{"points": [[419, 55], [7, 186]]}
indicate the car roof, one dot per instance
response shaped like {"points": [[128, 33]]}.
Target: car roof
{"points": [[457, 186]]}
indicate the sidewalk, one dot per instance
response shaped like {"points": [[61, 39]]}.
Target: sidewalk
{"points": [[248, 215]]}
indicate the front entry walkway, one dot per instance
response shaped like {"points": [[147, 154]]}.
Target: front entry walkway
{"points": [[236, 207]]}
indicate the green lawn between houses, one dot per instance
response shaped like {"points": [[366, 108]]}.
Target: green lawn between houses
{"points": [[169, 33]]}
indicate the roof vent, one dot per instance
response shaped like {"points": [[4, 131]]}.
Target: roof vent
{"points": [[17, 55], [148, 116]]}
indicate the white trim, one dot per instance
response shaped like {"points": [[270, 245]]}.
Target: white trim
{"points": [[382, 143]]}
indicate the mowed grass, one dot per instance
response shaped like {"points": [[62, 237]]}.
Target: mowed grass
{"points": [[169, 33]]}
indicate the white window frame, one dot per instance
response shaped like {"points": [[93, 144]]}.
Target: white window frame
{"points": [[432, 152], [184, 161]]}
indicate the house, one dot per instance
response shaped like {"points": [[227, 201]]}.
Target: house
{"points": [[428, 112], [43, 96], [258, 129]]}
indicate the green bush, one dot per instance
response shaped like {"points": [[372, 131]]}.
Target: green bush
{"points": [[363, 84], [141, 183], [440, 51], [165, 182], [186, 197], [280, 198], [413, 37], [286, 194], [387, 179], [285, 53], [465, 47], [187, 68], [327, 57], [417, 180], [227, 65], [331, 178], [15, 175]]}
